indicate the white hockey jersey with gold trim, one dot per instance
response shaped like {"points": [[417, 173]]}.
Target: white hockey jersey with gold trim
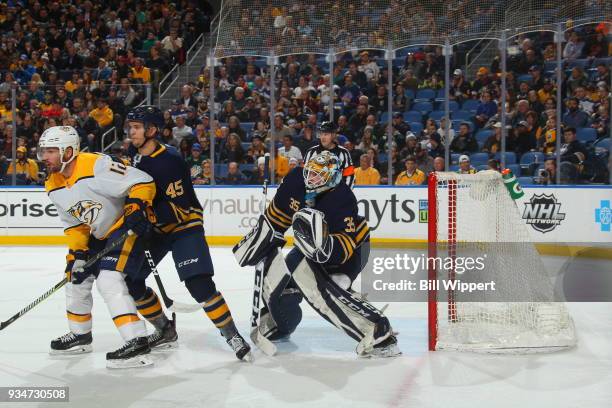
{"points": [[91, 200]]}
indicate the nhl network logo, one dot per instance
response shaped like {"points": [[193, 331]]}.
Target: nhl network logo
{"points": [[543, 212]]}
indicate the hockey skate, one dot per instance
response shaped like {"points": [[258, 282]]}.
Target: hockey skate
{"points": [[386, 348], [132, 354], [164, 339], [240, 347], [71, 343]]}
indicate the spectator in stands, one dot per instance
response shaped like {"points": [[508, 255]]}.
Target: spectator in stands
{"points": [[234, 127], [525, 138], [438, 164], [367, 140], [577, 79], [353, 151], [410, 81], [365, 174], [547, 175], [431, 126], [368, 67], [257, 177], [172, 43], [288, 150], [410, 145], [465, 166], [464, 142], [307, 139], [88, 129], [493, 164], [584, 102], [205, 176], [281, 165], [459, 88], [234, 175], [187, 99], [601, 121], [493, 143], [423, 160], [522, 107], [575, 117], [26, 169], [232, 151], [102, 114], [573, 47], [412, 175], [481, 81], [280, 129], [181, 130], [434, 146], [227, 111], [572, 150], [140, 72], [400, 101], [257, 149], [399, 125], [486, 109], [195, 160]]}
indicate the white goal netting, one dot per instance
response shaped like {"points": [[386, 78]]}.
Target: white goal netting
{"points": [[475, 216]]}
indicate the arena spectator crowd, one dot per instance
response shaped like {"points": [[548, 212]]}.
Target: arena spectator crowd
{"points": [[85, 64], [241, 127]]}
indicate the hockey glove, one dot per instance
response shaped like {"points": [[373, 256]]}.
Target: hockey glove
{"points": [[311, 235], [258, 243], [75, 273], [135, 216]]}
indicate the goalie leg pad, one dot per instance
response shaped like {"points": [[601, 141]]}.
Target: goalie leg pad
{"points": [[356, 317], [256, 245]]}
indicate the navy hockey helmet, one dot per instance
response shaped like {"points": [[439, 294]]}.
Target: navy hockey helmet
{"points": [[148, 115]]}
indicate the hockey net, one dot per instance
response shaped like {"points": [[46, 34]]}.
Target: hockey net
{"points": [[472, 215]]}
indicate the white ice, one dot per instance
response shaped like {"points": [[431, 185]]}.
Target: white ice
{"points": [[317, 368]]}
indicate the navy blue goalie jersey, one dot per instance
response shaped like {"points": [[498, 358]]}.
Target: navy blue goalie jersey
{"points": [[346, 227], [175, 204]]}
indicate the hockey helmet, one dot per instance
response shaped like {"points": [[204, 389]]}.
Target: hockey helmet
{"points": [[61, 137], [322, 171]]}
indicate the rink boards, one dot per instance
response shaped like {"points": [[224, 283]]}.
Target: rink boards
{"points": [[397, 215]]}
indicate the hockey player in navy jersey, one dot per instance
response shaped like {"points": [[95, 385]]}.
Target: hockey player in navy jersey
{"points": [[178, 229], [331, 248]]}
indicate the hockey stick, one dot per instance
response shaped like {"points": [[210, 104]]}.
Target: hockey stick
{"points": [[259, 339], [170, 304], [64, 281]]}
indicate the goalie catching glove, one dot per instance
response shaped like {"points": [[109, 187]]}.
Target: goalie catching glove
{"points": [[258, 243], [311, 235]]}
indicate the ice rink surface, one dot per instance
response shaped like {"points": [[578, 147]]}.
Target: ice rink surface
{"points": [[317, 368]]}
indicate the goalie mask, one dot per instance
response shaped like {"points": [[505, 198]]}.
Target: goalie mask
{"points": [[322, 172]]}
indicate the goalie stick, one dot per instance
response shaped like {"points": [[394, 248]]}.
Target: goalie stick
{"points": [[170, 304], [259, 339], [64, 281]]}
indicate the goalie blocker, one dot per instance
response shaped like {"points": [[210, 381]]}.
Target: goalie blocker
{"points": [[331, 248]]}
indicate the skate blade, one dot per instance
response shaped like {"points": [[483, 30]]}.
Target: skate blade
{"points": [[164, 348], [248, 358], [134, 362], [387, 352], [82, 349]]}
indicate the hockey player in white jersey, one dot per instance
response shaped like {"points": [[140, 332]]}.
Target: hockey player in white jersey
{"points": [[97, 200]]}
